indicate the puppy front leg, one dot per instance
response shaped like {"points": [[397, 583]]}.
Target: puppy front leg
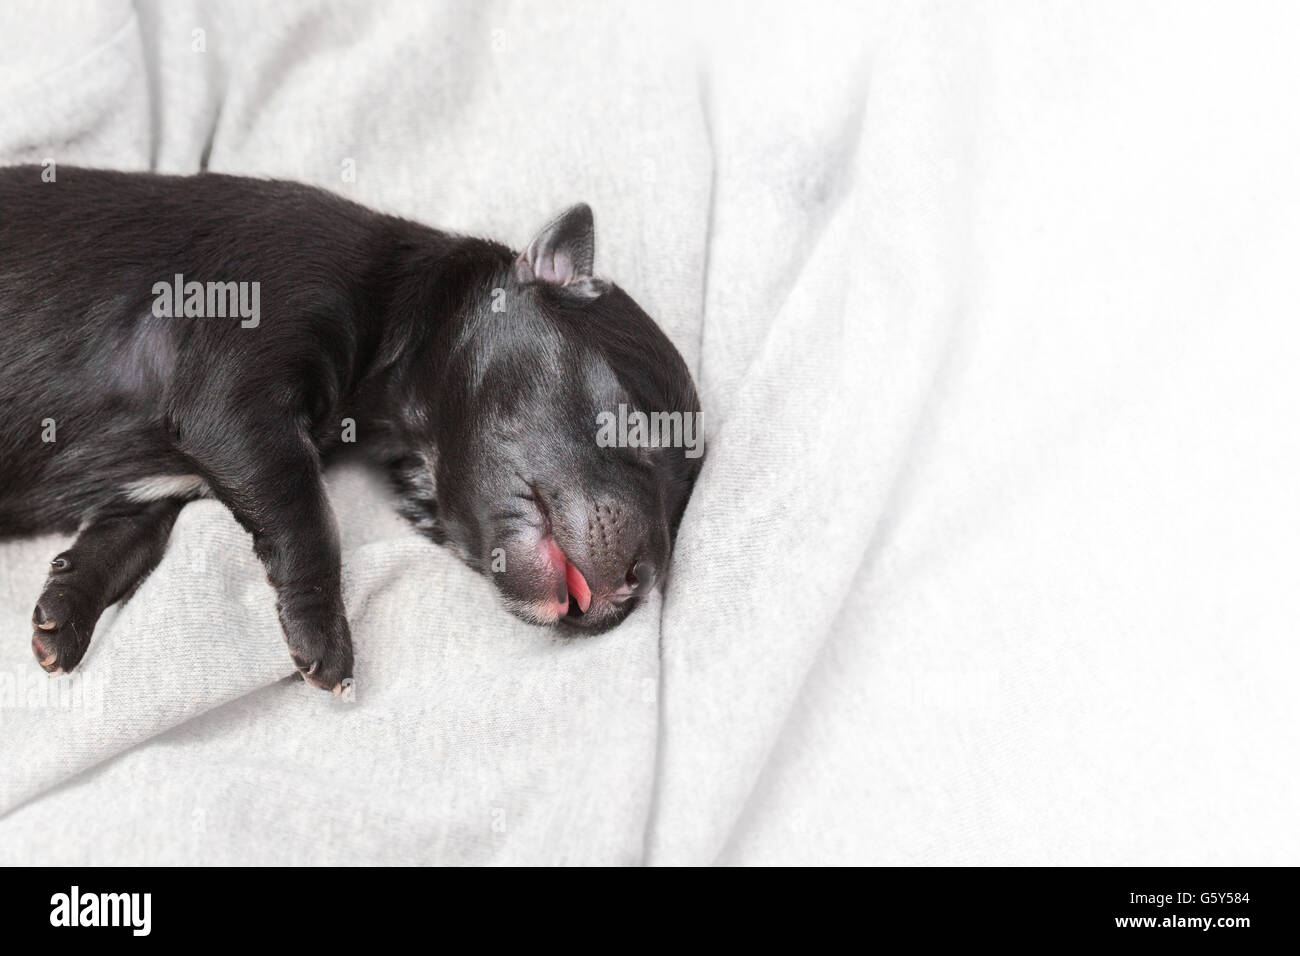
{"points": [[274, 490]]}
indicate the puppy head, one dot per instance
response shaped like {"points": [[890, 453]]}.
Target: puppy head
{"points": [[568, 436]]}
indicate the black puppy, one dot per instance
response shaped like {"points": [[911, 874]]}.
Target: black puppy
{"points": [[168, 337]]}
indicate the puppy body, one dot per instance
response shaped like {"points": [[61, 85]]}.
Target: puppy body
{"points": [[473, 374]]}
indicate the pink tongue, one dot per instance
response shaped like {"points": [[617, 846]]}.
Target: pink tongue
{"points": [[578, 589]]}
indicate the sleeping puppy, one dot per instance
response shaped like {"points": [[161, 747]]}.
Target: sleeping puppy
{"points": [[169, 337]]}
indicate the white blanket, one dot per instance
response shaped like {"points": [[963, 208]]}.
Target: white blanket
{"points": [[993, 314]]}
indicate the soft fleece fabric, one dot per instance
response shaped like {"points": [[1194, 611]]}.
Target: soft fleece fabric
{"points": [[992, 560]]}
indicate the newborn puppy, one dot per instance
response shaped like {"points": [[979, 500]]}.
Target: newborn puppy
{"points": [[169, 337]]}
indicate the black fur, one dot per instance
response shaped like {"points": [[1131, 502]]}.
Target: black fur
{"points": [[473, 374]]}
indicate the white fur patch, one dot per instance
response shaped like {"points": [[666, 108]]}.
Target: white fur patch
{"points": [[158, 487]]}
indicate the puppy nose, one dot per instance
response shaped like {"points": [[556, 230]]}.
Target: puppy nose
{"points": [[640, 576]]}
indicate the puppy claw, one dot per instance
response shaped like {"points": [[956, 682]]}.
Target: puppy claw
{"points": [[307, 675], [64, 619], [322, 652], [45, 657]]}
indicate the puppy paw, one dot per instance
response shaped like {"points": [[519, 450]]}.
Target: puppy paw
{"points": [[322, 653], [64, 618]]}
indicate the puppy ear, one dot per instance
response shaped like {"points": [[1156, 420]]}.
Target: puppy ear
{"points": [[563, 253]]}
